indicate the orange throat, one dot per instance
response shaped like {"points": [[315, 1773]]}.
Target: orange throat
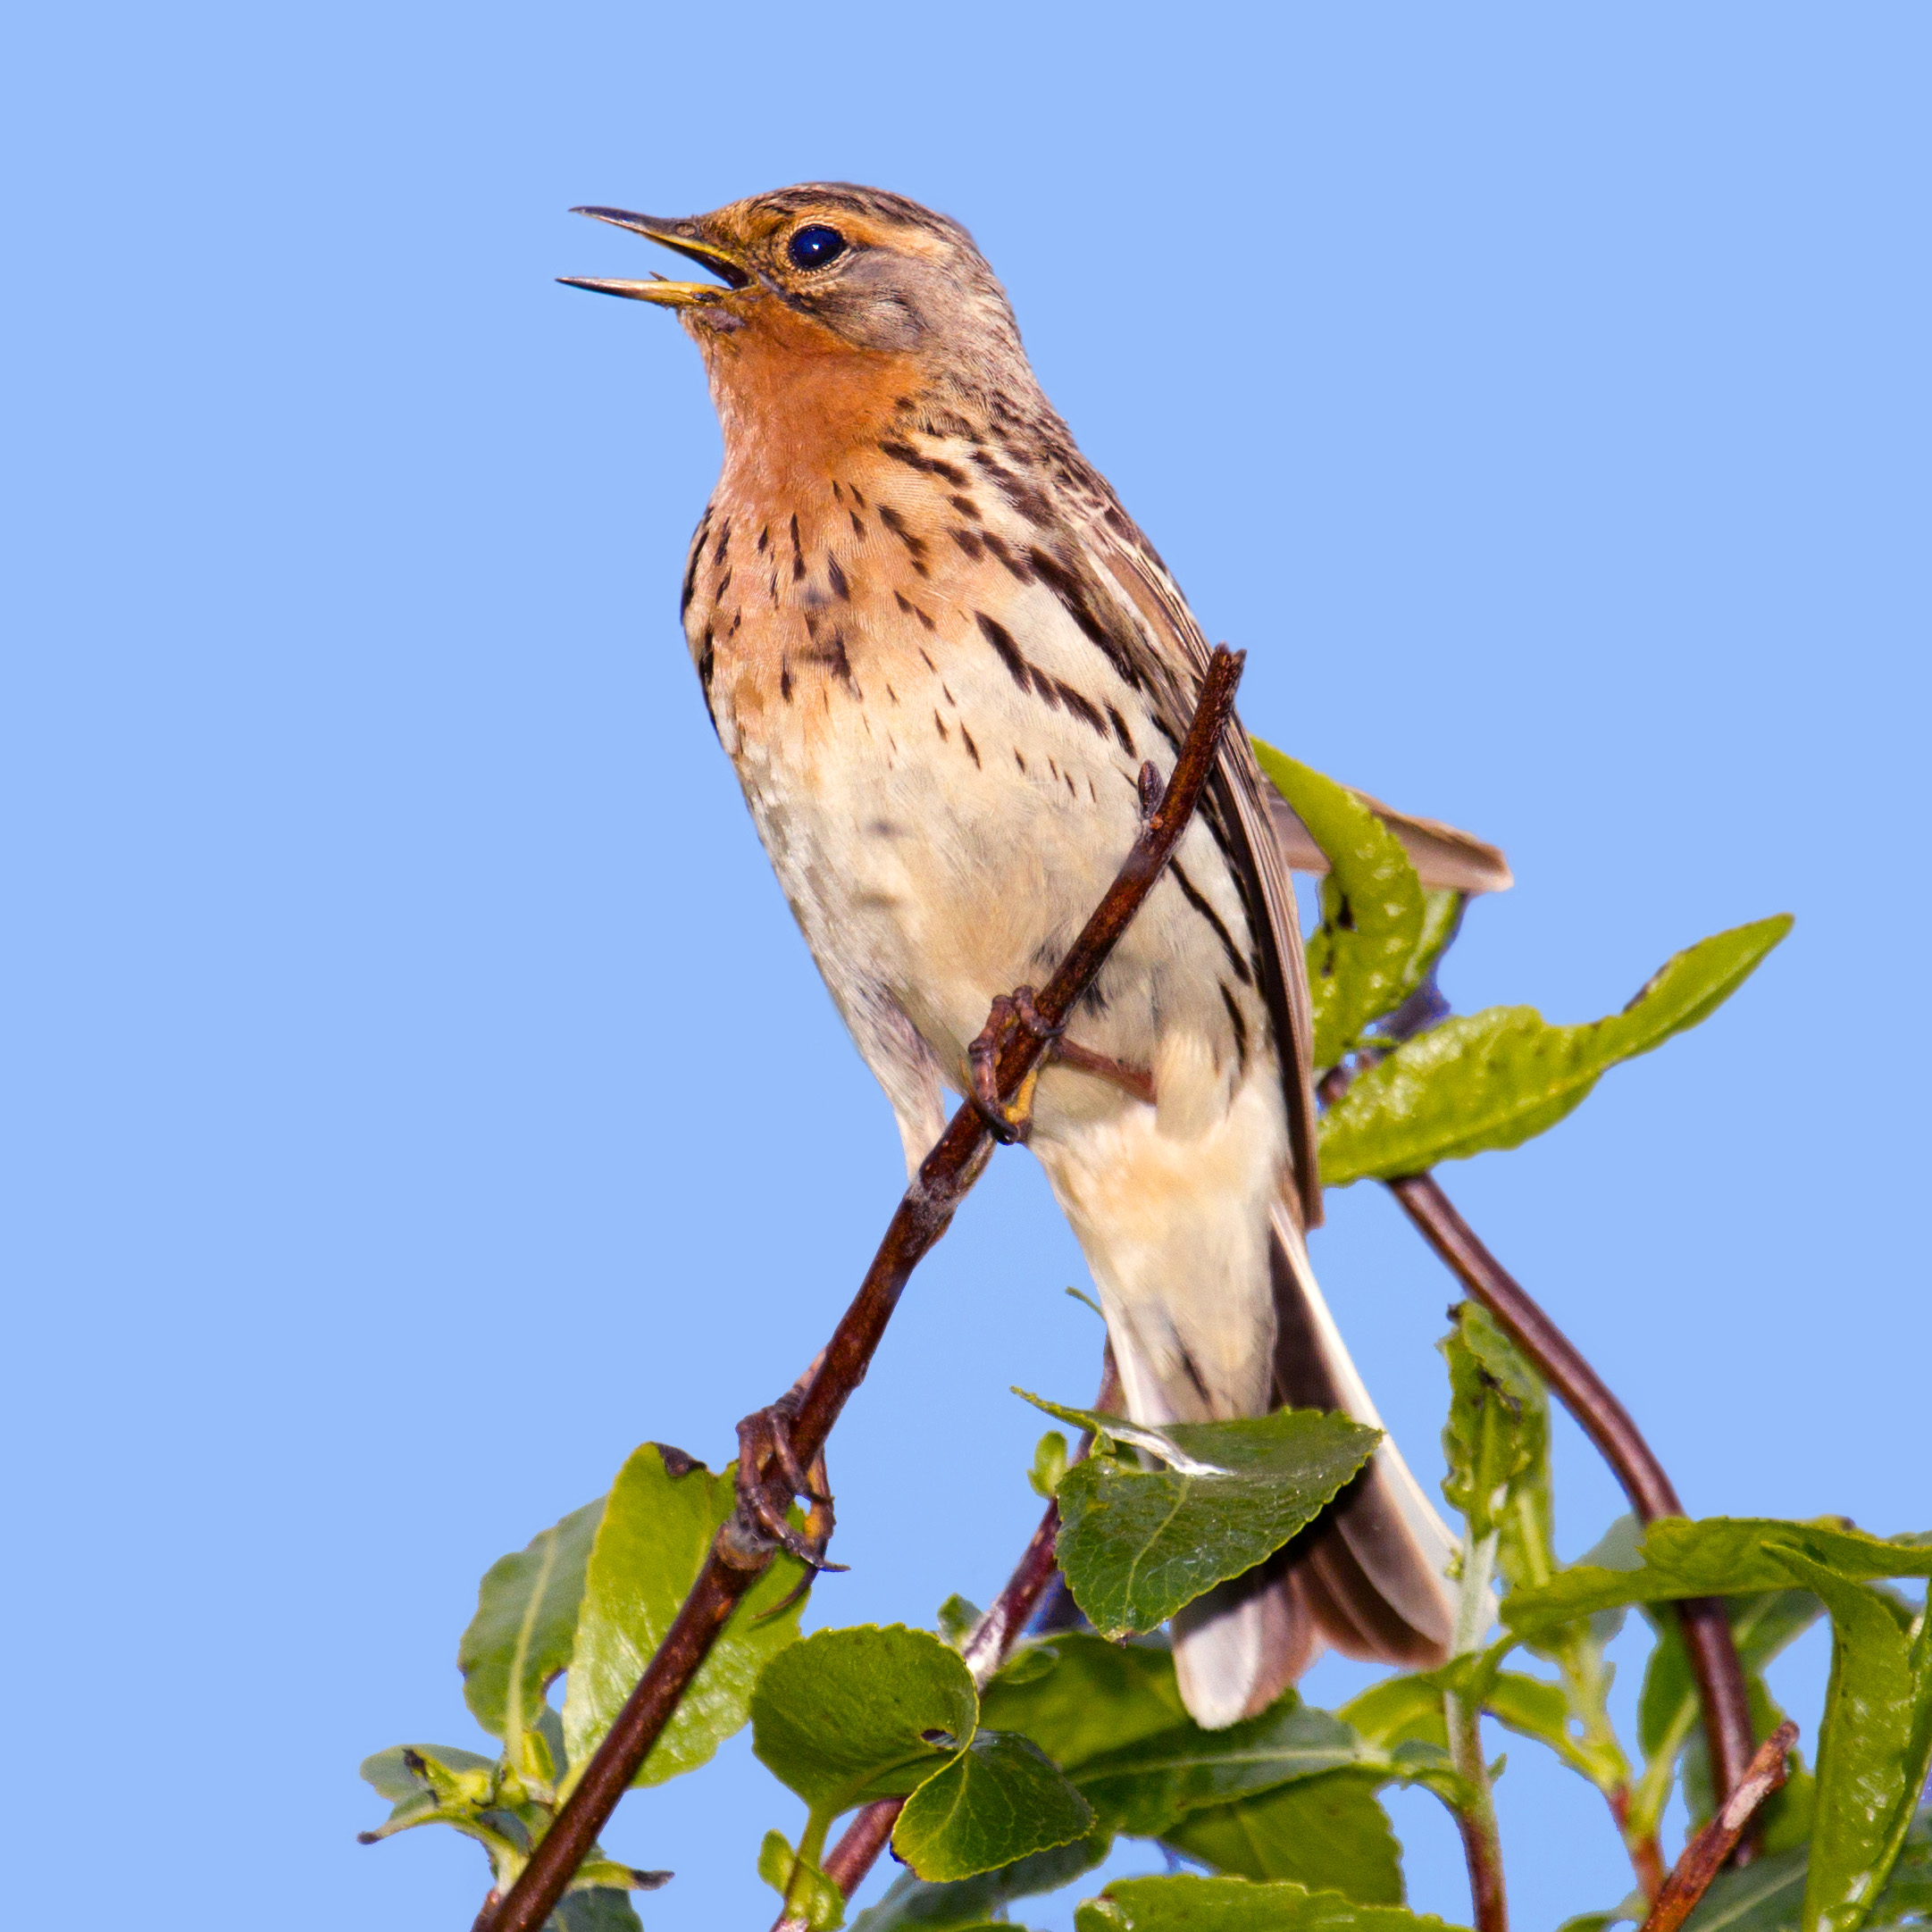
{"points": [[794, 402]]}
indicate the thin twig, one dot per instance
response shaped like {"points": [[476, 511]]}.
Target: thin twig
{"points": [[1646, 1855], [856, 1854], [1707, 1629], [1707, 1851], [993, 1640], [741, 1553]]}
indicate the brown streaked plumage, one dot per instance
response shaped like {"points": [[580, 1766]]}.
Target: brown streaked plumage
{"points": [[938, 651]]}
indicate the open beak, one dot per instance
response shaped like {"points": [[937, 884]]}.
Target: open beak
{"points": [[683, 237]]}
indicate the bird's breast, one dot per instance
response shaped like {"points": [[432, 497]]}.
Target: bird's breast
{"points": [[943, 766]]}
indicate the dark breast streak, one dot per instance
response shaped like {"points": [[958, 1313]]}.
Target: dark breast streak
{"points": [[817, 580]]}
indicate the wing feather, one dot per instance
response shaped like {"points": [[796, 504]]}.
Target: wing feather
{"points": [[1241, 795]]}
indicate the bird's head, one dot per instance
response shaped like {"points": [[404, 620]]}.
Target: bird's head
{"points": [[819, 294]]}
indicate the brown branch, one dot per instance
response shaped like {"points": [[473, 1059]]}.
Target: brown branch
{"points": [[1707, 1851], [741, 1552], [855, 1854], [1707, 1628], [993, 1640]]}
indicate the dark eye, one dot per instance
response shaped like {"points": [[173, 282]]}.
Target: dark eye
{"points": [[814, 247]]}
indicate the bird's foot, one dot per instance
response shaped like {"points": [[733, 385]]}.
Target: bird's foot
{"points": [[1014, 1121], [1011, 1121], [769, 1476]]}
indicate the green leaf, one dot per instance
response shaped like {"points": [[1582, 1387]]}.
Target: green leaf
{"points": [[1714, 1556], [605, 1874], [847, 1716], [1873, 1749], [1441, 911], [1145, 1787], [406, 1771], [1525, 1518], [1327, 1833], [963, 1903], [1618, 1548], [800, 1883], [1496, 1440], [595, 1909], [1497, 1078], [656, 1531], [1367, 954], [997, 1802], [437, 1784], [1136, 1544], [1907, 1892], [1049, 1463], [1532, 1707], [1111, 1717], [521, 1638], [1397, 1711], [1471, 1675], [1236, 1905], [1091, 1697], [1401, 1719], [958, 1618], [1578, 1647]]}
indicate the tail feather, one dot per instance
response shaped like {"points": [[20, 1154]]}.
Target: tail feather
{"points": [[1365, 1578], [1240, 1646], [1398, 1548]]}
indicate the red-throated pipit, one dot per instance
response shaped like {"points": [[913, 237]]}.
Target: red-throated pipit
{"points": [[939, 652]]}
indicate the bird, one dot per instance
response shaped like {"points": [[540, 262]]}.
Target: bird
{"points": [[939, 652]]}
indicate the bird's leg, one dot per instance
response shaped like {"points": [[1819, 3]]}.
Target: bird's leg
{"points": [[765, 1458], [1138, 1081], [1005, 1122]]}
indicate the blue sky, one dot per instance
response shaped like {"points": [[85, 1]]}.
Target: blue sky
{"points": [[417, 1094]]}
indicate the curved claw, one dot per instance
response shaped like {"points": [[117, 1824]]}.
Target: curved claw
{"points": [[764, 1441], [1007, 1124], [810, 1548], [1031, 1018]]}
